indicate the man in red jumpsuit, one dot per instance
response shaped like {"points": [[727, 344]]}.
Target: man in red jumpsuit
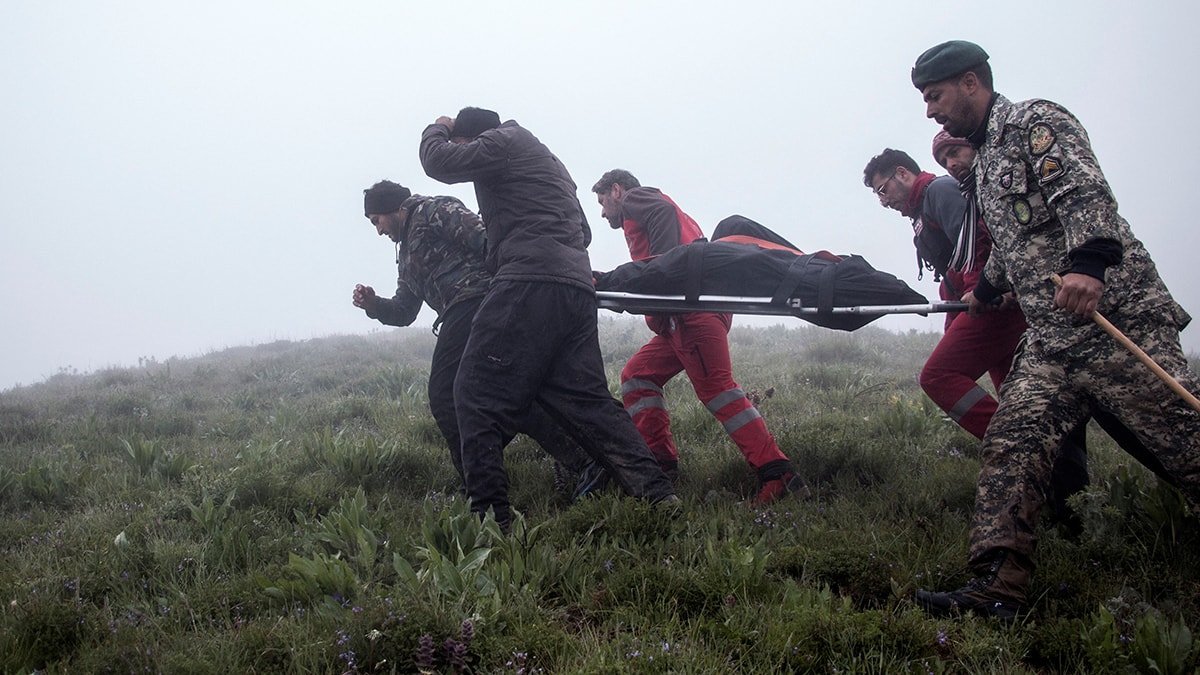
{"points": [[952, 241], [954, 251], [695, 343]]}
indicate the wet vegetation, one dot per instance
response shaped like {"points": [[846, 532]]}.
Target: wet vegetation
{"points": [[290, 508]]}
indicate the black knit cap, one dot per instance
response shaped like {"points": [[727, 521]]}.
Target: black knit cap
{"points": [[384, 197], [945, 61], [474, 121]]}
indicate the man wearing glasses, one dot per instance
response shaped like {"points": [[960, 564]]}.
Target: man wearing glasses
{"points": [[972, 345]]}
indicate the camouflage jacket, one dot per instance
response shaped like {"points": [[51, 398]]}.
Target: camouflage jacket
{"points": [[440, 259], [1042, 194]]}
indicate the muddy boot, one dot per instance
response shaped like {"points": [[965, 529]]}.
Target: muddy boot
{"points": [[592, 480], [998, 592], [671, 505], [778, 479]]}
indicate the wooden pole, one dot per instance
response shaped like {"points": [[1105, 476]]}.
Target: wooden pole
{"points": [[1141, 355]]}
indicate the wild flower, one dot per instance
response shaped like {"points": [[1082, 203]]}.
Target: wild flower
{"points": [[765, 519], [942, 638], [425, 653], [456, 653], [520, 664]]}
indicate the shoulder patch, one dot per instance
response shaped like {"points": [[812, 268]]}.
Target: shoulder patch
{"points": [[1006, 180], [1022, 211], [1041, 137], [1049, 169]]}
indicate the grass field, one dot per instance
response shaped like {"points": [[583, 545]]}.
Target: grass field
{"points": [[291, 507]]}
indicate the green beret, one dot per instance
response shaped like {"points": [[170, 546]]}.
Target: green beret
{"points": [[945, 61]]}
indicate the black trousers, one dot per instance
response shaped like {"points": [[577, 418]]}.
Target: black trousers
{"points": [[535, 423], [538, 341]]}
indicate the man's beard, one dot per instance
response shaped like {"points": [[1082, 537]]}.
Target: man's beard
{"points": [[958, 123]]}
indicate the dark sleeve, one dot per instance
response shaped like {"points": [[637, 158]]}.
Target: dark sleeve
{"points": [[985, 292], [400, 310], [1094, 256], [454, 163], [656, 216], [945, 204]]}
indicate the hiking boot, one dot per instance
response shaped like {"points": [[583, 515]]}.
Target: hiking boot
{"points": [[592, 480], [790, 483], [671, 505], [999, 593]]}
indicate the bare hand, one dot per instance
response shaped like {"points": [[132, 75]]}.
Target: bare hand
{"points": [[1008, 301], [448, 122], [364, 297], [1079, 294], [974, 306]]}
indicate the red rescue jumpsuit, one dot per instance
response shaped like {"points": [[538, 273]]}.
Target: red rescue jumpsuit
{"points": [[694, 343], [971, 345]]}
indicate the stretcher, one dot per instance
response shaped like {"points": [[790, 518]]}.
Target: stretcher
{"points": [[636, 303], [749, 269]]}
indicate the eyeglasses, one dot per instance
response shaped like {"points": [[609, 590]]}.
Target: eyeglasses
{"points": [[881, 191]]}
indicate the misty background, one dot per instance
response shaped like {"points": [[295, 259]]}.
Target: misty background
{"points": [[180, 178]]}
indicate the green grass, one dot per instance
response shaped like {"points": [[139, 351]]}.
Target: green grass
{"points": [[291, 508]]}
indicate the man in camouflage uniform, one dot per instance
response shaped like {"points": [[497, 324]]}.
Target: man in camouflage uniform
{"points": [[441, 264], [1050, 210]]}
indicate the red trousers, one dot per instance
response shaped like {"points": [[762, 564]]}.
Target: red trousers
{"points": [[696, 344], [972, 346]]}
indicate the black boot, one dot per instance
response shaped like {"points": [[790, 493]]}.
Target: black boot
{"points": [[592, 480], [777, 479], [999, 591]]}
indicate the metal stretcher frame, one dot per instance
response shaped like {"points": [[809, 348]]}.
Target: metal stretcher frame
{"points": [[635, 303]]}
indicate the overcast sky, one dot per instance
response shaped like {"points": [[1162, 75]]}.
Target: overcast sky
{"points": [[177, 178]]}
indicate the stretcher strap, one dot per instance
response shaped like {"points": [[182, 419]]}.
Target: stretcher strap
{"points": [[825, 289], [791, 279], [695, 272]]}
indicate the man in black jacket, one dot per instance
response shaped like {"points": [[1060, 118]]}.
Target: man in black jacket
{"points": [[534, 336], [441, 264]]}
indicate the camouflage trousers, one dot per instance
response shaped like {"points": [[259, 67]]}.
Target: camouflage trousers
{"points": [[1047, 395]]}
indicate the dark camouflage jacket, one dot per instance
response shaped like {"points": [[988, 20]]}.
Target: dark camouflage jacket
{"points": [[440, 259], [1042, 195]]}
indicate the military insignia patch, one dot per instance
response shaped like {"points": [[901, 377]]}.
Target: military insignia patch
{"points": [[1022, 211], [1041, 137], [1049, 169], [1006, 180]]}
